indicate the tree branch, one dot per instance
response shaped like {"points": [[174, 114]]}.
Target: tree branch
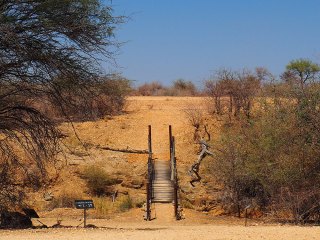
{"points": [[125, 150]]}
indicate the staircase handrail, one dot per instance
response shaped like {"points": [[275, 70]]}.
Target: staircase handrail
{"points": [[174, 178], [149, 178]]}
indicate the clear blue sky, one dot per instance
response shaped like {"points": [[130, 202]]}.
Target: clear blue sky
{"points": [[190, 39]]}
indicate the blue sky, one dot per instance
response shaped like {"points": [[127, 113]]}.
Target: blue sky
{"points": [[190, 39]]}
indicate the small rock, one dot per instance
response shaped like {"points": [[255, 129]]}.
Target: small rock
{"points": [[48, 196]]}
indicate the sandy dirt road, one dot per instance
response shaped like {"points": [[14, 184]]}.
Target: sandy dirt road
{"points": [[155, 232], [194, 226]]}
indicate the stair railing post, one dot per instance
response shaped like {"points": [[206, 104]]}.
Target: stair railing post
{"points": [[176, 204], [150, 177], [170, 139], [177, 209], [172, 159], [149, 142], [148, 210], [174, 179]]}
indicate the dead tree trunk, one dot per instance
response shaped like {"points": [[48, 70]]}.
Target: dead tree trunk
{"points": [[194, 170]]}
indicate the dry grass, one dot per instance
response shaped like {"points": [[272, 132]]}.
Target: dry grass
{"points": [[66, 198], [104, 207]]}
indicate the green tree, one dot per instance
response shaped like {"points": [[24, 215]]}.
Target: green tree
{"points": [[41, 43], [303, 70]]}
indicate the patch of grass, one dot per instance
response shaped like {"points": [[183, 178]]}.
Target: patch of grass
{"points": [[139, 204], [123, 203], [103, 206], [187, 204]]}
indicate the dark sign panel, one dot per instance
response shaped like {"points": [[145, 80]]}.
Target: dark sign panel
{"points": [[84, 204]]}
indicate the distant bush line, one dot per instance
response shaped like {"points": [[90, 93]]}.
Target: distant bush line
{"points": [[179, 87]]}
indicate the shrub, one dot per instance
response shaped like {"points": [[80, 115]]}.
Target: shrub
{"points": [[272, 159], [103, 96], [114, 90], [195, 115], [179, 87], [182, 87], [139, 203], [98, 181], [151, 89]]}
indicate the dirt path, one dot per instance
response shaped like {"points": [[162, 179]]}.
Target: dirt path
{"points": [[191, 232], [160, 112], [163, 213]]}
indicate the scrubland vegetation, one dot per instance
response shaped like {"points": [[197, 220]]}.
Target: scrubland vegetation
{"points": [[267, 154], [269, 147]]}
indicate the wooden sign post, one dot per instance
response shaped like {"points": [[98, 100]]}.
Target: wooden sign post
{"points": [[84, 204]]}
